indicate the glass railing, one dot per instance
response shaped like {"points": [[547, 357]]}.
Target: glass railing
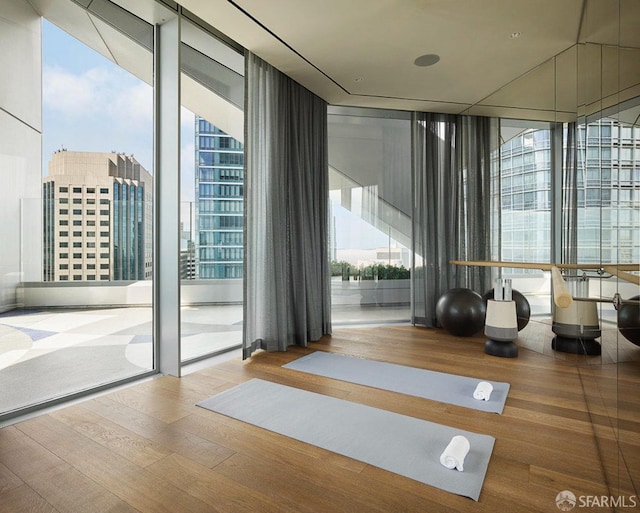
{"points": [[370, 277], [211, 308], [66, 325]]}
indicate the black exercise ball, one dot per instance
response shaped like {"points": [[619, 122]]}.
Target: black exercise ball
{"points": [[523, 309], [629, 321], [461, 312]]}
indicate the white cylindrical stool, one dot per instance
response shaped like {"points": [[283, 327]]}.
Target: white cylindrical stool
{"points": [[577, 325], [501, 327]]}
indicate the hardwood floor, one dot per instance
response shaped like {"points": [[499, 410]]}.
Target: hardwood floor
{"points": [[148, 447]]}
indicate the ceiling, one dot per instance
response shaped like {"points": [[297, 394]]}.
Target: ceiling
{"points": [[507, 58], [523, 59]]}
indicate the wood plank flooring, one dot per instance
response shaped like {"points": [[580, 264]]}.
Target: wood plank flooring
{"points": [[148, 448]]}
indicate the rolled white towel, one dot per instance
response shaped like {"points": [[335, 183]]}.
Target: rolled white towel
{"points": [[454, 454], [483, 391]]}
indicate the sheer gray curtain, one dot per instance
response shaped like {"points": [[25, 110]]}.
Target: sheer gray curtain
{"points": [[451, 206], [286, 270]]}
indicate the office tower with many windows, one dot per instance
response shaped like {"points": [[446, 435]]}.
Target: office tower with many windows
{"points": [[97, 218], [219, 202], [525, 197], [607, 194]]}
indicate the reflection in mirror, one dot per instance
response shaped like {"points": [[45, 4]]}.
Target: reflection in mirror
{"points": [[608, 202]]}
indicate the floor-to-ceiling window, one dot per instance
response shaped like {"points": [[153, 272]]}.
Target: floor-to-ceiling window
{"points": [[77, 304], [370, 231], [78, 313], [212, 191]]}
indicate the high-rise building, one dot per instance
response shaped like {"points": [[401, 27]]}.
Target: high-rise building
{"points": [[607, 194], [525, 197], [97, 218], [219, 202]]}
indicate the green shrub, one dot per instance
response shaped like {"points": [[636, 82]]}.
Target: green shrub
{"points": [[390, 272], [341, 269], [369, 272]]}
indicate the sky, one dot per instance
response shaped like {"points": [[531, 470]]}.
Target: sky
{"points": [[92, 104]]}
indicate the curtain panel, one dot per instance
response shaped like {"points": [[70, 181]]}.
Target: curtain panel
{"points": [[286, 270], [451, 205]]}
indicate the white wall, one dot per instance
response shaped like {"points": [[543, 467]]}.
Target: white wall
{"points": [[123, 293], [20, 148]]}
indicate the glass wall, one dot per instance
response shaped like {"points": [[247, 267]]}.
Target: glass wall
{"points": [[79, 314], [76, 290], [370, 231], [212, 191]]}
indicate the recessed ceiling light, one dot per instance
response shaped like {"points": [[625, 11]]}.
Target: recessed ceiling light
{"points": [[515, 35], [359, 79], [428, 59]]}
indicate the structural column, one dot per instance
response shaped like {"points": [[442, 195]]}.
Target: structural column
{"points": [[556, 192], [166, 261]]}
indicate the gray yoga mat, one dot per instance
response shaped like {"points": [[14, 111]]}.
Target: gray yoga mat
{"points": [[437, 386], [404, 445]]}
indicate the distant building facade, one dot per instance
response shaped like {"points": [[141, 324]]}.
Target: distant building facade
{"points": [[219, 203], [97, 218], [188, 262], [607, 194]]}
